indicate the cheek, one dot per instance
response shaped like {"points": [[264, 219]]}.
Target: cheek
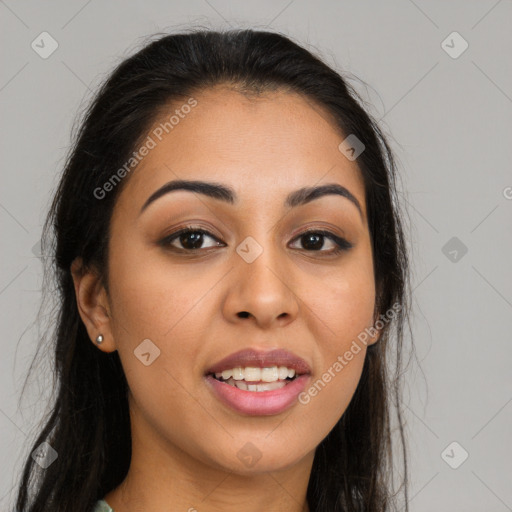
{"points": [[341, 309], [343, 305], [151, 302], [154, 298], [166, 306]]}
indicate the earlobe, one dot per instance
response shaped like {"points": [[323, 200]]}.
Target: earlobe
{"points": [[375, 338], [374, 331], [92, 303]]}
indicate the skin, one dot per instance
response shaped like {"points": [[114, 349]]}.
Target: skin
{"points": [[184, 441]]}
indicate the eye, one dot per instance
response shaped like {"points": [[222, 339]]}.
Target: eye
{"points": [[313, 240], [189, 238]]}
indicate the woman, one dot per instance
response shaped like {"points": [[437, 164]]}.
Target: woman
{"points": [[231, 265]]}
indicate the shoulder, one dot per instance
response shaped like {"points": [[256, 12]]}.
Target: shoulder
{"points": [[102, 506]]}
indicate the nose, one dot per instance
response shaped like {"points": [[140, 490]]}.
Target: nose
{"points": [[261, 292]]}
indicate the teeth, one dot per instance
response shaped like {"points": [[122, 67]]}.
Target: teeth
{"points": [[283, 372], [240, 384], [270, 374], [226, 374], [238, 374], [253, 374], [270, 386]]}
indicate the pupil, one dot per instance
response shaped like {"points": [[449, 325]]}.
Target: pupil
{"points": [[196, 240], [313, 237]]}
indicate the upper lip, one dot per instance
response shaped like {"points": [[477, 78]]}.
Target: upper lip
{"points": [[261, 359]]}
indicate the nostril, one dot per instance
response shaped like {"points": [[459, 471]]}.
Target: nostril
{"points": [[243, 314]]}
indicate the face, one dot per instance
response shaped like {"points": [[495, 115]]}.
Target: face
{"points": [[245, 277]]}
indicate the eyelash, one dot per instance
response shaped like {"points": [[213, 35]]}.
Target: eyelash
{"points": [[342, 245]]}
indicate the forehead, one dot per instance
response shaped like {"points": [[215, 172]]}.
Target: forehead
{"points": [[262, 146]]}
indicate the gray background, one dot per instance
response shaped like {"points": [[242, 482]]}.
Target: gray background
{"points": [[449, 120]]}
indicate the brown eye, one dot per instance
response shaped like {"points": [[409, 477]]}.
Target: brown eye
{"points": [[189, 239], [314, 240]]}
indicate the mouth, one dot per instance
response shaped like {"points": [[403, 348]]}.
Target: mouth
{"points": [[252, 378], [258, 383]]}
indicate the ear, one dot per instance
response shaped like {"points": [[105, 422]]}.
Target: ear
{"points": [[93, 305], [374, 331], [373, 339]]}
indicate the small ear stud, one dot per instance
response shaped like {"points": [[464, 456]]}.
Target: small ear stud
{"points": [[99, 339]]}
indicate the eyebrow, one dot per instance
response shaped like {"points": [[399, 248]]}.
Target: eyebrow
{"points": [[227, 194]]}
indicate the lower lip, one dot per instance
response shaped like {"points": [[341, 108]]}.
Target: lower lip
{"points": [[258, 403]]}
